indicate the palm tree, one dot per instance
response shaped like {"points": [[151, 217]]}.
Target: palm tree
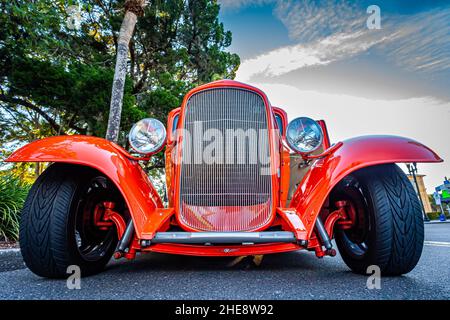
{"points": [[133, 9]]}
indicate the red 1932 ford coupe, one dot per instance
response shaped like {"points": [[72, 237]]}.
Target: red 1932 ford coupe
{"points": [[240, 181]]}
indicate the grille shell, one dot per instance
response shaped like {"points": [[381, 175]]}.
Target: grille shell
{"points": [[235, 194]]}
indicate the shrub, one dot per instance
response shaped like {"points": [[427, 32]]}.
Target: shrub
{"points": [[12, 196], [435, 215]]}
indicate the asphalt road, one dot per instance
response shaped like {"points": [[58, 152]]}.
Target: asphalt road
{"points": [[297, 275]]}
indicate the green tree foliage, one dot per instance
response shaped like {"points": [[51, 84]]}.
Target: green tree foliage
{"points": [[64, 76], [56, 79]]}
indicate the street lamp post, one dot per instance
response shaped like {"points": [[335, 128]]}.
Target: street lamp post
{"points": [[412, 168]]}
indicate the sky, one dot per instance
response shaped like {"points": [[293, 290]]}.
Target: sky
{"points": [[319, 59]]}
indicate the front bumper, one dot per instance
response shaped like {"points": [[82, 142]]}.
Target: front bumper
{"points": [[242, 238], [157, 238], [222, 250]]}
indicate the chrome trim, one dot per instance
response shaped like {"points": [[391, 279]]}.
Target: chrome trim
{"points": [[225, 197], [224, 237]]}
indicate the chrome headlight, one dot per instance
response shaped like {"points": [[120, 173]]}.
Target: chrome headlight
{"points": [[147, 136], [304, 135]]}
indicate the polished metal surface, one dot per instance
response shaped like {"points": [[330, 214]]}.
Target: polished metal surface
{"points": [[224, 183], [224, 237]]}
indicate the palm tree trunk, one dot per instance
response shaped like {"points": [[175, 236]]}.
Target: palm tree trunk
{"points": [[133, 9]]}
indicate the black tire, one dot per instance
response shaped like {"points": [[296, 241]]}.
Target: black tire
{"points": [[51, 222], [389, 230]]}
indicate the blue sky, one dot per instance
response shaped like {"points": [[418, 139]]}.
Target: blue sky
{"points": [[319, 59]]}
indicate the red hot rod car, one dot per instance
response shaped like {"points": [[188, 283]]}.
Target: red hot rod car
{"points": [[240, 181]]}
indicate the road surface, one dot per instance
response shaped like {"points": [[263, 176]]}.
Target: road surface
{"points": [[296, 275]]}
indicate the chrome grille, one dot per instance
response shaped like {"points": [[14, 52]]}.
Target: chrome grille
{"points": [[234, 192]]}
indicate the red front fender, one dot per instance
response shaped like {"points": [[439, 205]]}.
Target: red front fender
{"points": [[354, 154], [108, 158]]}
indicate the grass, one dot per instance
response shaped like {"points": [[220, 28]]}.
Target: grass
{"points": [[12, 196]]}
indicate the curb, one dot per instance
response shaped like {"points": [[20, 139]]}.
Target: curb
{"points": [[8, 252], [437, 221]]}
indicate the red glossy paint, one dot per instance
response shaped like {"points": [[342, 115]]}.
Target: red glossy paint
{"points": [[285, 172], [326, 136], [216, 251], [108, 158], [160, 221], [354, 154], [115, 217], [146, 207], [344, 216], [169, 165], [283, 115], [291, 217], [170, 124], [273, 147]]}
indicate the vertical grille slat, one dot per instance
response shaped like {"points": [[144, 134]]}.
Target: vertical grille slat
{"points": [[235, 194]]}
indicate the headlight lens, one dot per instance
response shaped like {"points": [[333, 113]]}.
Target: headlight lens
{"points": [[304, 135], [147, 136]]}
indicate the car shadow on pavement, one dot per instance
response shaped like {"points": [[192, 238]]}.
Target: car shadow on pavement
{"points": [[168, 262]]}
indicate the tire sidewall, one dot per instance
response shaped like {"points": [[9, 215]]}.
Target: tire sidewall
{"points": [[87, 267], [360, 263]]}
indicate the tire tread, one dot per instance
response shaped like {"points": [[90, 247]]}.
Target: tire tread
{"points": [[398, 224]]}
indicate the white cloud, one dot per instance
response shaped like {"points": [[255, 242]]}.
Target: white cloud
{"points": [[329, 31], [423, 43], [422, 119], [332, 32], [320, 52], [310, 20]]}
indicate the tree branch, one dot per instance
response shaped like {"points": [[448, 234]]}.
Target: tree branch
{"points": [[31, 106]]}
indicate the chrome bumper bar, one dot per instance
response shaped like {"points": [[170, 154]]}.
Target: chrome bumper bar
{"points": [[224, 237]]}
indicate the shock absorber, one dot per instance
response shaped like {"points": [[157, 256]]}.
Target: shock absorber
{"points": [[325, 238], [125, 241]]}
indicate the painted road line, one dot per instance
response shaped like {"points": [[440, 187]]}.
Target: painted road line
{"points": [[437, 244]]}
